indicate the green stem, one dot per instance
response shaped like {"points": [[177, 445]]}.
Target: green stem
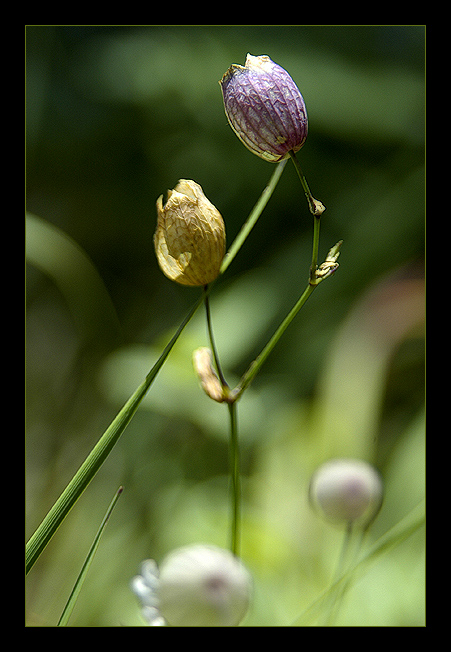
{"points": [[256, 365], [317, 209], [212, 339], [315, 206], [336, 596], [314, 264], [253, 216], [234, 444], [236, 481]]}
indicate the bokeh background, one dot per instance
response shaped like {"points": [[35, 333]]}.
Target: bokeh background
{"points": [[115, 116]]}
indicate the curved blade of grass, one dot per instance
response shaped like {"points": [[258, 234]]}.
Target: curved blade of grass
{"points": [[60, 258], [96, 457], [67, 611]]}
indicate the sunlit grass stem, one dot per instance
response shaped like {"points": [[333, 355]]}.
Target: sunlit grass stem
{"points": [[236, 479], [234, 442], [256, 365]]}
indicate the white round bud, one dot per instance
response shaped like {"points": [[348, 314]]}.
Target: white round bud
{"points": [[347, 490], [196, 586], [204, 586]]}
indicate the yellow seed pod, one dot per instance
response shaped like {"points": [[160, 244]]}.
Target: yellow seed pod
{"points": [[190, 236], [203, 366]]}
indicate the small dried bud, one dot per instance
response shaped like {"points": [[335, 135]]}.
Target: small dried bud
{"points": [[265, 108], [202, 361], [190, 236], [329, 266], [347, 491]]}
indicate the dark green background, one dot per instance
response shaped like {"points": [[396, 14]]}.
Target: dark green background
{"points": [[115, 116]]}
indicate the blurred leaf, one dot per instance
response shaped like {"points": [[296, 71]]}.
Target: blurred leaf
{"points": [[64, 261], [352, 387]]}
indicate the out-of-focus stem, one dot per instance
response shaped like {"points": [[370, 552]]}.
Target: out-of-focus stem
{"points": [[236, 481], [256, 365]]}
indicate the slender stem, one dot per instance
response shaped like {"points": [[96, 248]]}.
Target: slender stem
{"points": [[352, 545], [315, 247], [336, 596], [87, 563], [234, 445], [256, 365], [253, 216], [316, 207], [211, 337], [236, 481], [304, 183]]}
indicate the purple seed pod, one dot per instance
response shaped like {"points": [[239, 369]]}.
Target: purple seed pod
{"points": [[265, 108]]}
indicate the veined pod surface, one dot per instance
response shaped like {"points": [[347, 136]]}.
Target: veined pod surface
{"points": [[190, 235], [265, 108]]}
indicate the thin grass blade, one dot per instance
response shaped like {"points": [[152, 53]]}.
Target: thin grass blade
{"points": [[67, 611]]}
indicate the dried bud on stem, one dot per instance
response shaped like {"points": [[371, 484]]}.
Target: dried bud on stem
{"points": [[190, 235], [329, 266], [203, 366]]}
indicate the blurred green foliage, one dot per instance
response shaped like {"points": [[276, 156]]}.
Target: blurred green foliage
{"points": [[115, 116]]}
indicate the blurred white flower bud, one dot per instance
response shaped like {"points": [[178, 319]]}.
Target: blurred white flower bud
{"points": [[347, 491], [145, 587], [198, 586]]}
